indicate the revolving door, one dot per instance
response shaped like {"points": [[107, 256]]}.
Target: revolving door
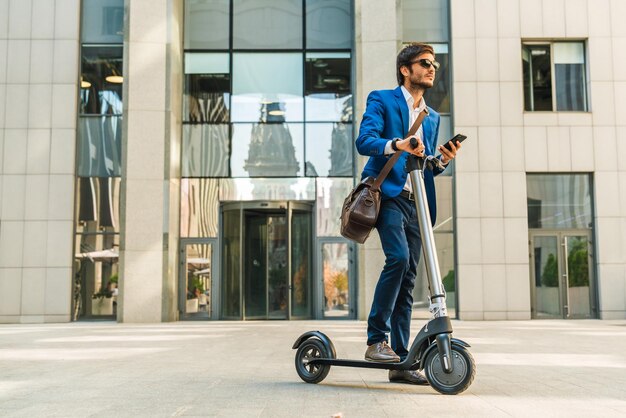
{"points": [[267, 260]]}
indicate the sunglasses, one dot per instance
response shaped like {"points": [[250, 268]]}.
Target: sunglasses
{"points": [[426, 63]]}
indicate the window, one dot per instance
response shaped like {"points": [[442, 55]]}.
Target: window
{"points": [[272, 102], [554, 76], [559, 201]]}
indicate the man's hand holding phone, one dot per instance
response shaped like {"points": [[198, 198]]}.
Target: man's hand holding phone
{"points": [[449, 150]]}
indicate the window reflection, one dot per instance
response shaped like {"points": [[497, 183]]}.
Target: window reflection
{"points": [[268, 83], [328, 24], [267, 150], [261, 24], [102, 21], [205, 150], [559, 201], [329, 149], [99, 146], [569, 75], [207, 88], [198, 207], [101, 80], [328, 87], [425, 19], [330, 193], [336, 279], [96, 276], [247, 189], [206, 24], [537, 77], [438, 97], [98, 204]]}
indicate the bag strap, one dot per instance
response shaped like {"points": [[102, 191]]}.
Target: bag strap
{"points": [[387, 168]]}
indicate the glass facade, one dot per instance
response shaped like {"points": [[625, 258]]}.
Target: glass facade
{"points": [[267, 116], [99, 157]]}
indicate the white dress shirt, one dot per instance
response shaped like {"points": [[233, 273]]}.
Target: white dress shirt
{"points": [[413, 114]]}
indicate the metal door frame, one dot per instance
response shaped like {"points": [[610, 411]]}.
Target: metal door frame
{"points": [[288, 207], [319, 301], [560, 235], [215, 273]]}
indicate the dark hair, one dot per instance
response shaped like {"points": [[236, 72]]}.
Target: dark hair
{"points": [[408, 54]]}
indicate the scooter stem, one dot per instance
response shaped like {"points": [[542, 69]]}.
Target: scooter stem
{"points": [[438, 306]]}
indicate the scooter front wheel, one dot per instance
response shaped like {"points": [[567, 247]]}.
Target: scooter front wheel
{"points": [[309, 350], [462, 375]]}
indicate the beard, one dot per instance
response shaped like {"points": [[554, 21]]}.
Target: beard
{"points": [[421, 82]]}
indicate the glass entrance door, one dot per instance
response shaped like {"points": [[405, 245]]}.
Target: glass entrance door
{"points": [[267, 260], [562, 275], [266, 284], [195, 284]]}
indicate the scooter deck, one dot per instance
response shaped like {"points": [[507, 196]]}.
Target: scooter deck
{"points": [[364, 364]]}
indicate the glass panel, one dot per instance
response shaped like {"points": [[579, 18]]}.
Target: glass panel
{"points": [[256, 266], [207, 88], [445, 134], [328, 24], [301, 264], [99, 146], [546, 276], [444, 186], [569, 75], [205, 150], [96, 276], [578, 276], [197, 283], [559, 201], [102, 21], [267, 189], [98, 204], [267, 150], [537, 77], [425, 20], [278, 282], [207, 24], [199, 207], [329, 149], [528, 75], [265, 24], [438, 97], [444, 242], [101, 80], [267, 87], [331, 193], [328, 87], [336, 280], [231, 294]]}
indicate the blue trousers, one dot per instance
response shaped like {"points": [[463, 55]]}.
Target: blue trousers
{"points": [[399, 233]]}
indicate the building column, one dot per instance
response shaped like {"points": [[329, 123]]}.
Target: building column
{"points": [[150, 160], [377, 40]]}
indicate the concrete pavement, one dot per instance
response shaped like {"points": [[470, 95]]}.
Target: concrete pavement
{"points": [[246, 369]]}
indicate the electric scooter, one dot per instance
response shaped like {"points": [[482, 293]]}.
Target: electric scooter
{"points": [[447, 364]]}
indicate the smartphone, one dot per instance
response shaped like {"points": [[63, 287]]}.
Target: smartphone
{"points": [[457, 137]]}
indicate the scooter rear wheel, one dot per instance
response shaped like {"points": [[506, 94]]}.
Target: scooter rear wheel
{"points": [[462, 374], [309, 350]]}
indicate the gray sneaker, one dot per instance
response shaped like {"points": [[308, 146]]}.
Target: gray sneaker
{"points": [[381, 353]]}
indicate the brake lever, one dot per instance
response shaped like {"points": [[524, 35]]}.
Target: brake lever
{"points": [[432, 162]]}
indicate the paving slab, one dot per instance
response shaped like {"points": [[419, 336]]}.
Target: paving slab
{"points": [[246, 369]]}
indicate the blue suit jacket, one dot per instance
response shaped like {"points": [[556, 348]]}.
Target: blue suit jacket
{"points": [[386, 117]]}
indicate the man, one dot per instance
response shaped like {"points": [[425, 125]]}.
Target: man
{"points": [[388, 116]]}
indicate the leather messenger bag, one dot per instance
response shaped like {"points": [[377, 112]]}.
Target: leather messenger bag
{"points": [[360, 209]]}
